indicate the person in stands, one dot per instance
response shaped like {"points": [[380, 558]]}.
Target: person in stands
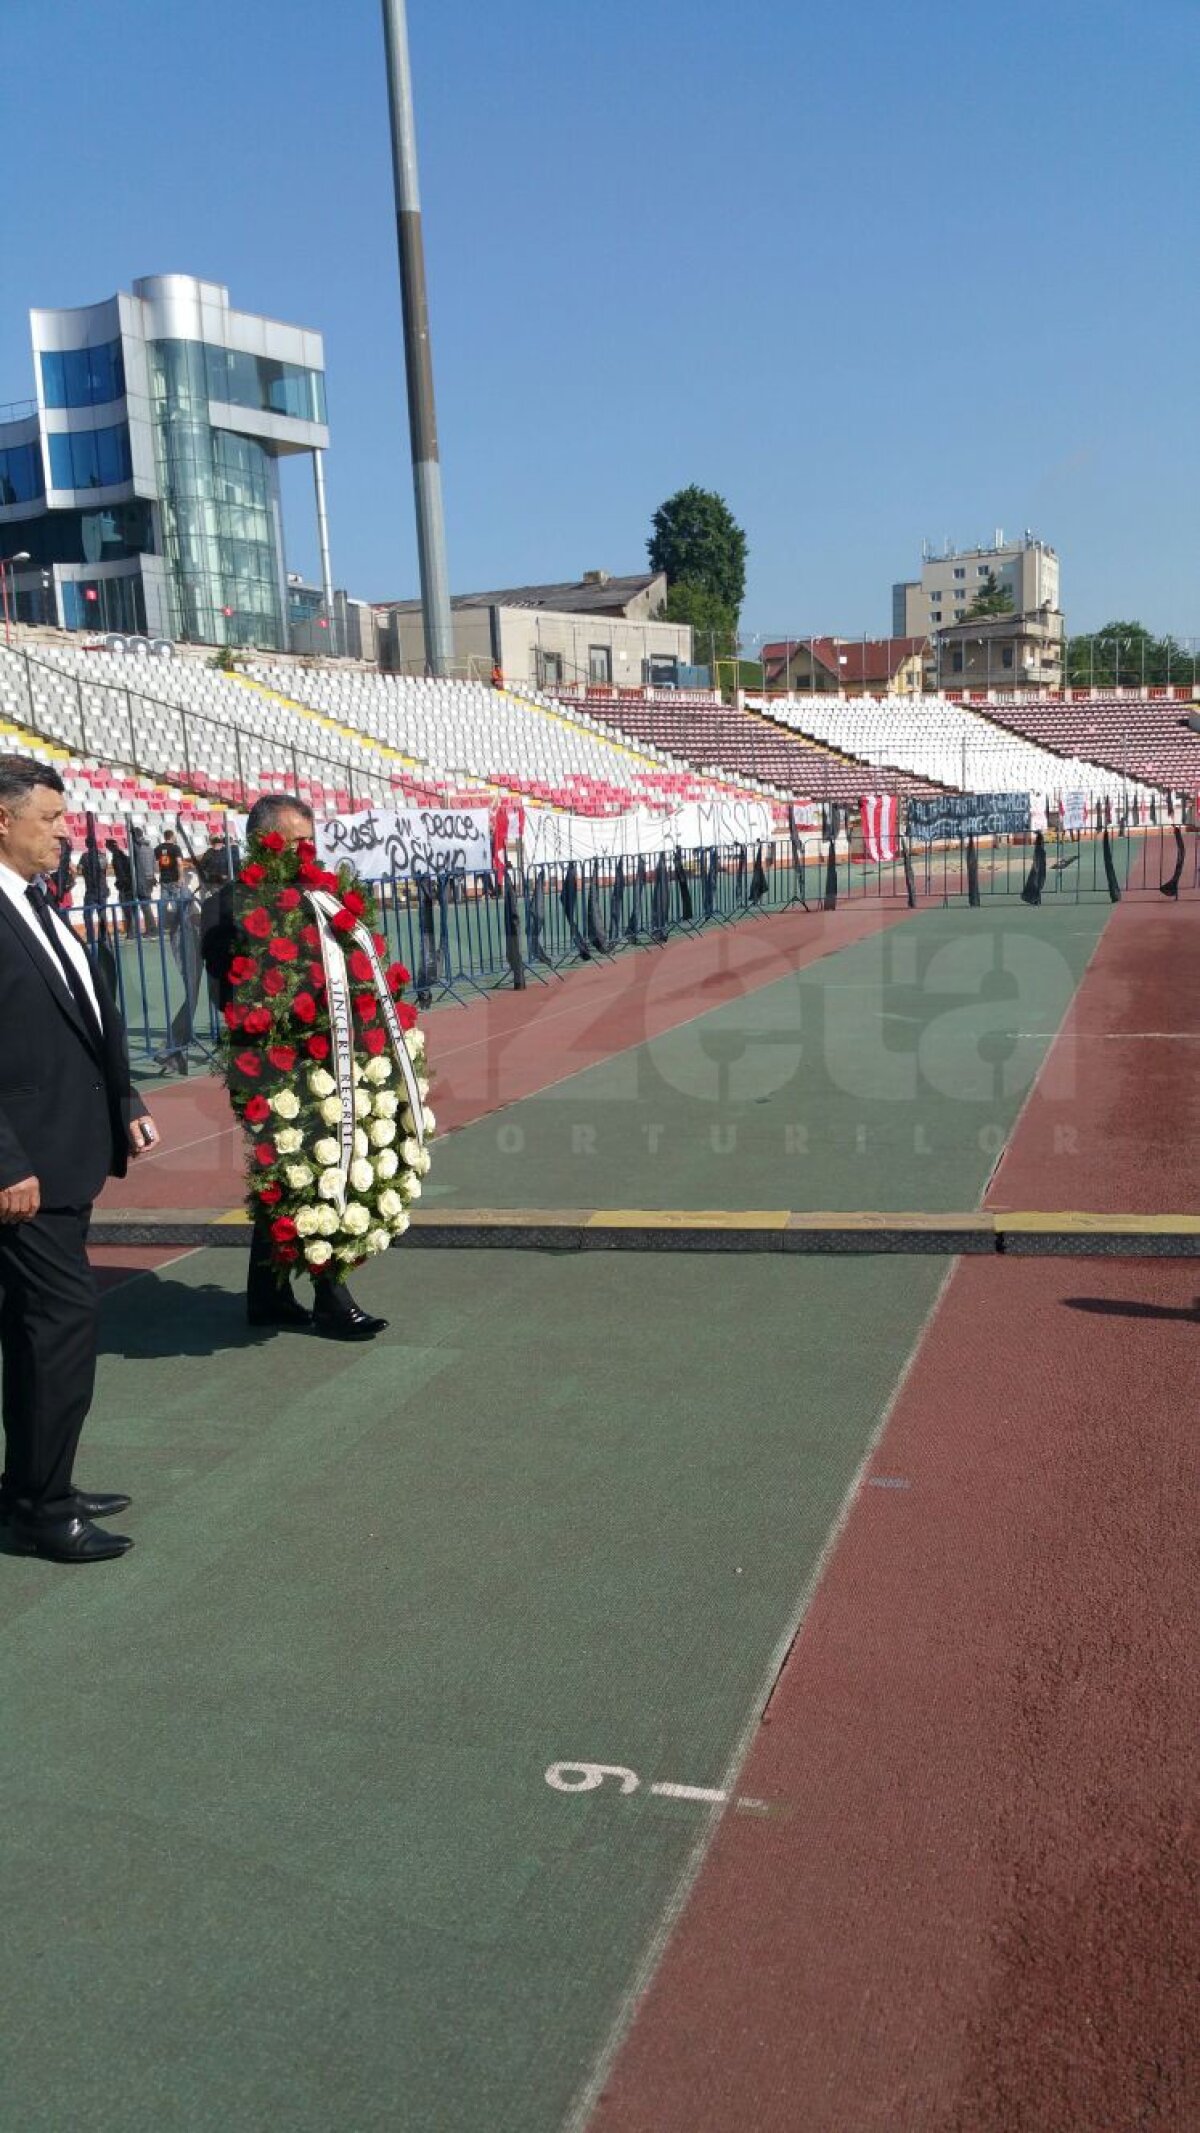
{"points": [[144, 872], [269, 1300], [169, 860], [122, 872]]}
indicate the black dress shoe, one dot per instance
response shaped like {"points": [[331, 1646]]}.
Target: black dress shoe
{"points": [[279, 1309], [67, 1540], [336, 1317], [90, 1506]]}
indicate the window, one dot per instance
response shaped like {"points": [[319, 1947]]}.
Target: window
{"points": [[982, 570], [90, 459], [83, 377], [600, 665], [956, 662], [261, 382], [960, 570], [550, 668], [20, 474], [936, 616], [935, 597], [1006, 655], [960, 614]]}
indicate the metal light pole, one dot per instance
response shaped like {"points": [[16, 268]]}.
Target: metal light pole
{"points": [[418, 359], [6, 564]]}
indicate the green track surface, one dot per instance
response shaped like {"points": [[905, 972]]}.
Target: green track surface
{"points": [[278, 1848], [886, 1076]]}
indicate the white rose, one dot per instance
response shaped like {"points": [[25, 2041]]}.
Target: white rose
{"points": [[378, 1070], [378, 1241], [430, 1121], [327, 1221], [414, 1043], [306, 1222], [387, 1164], [318, 1253], [424, 1163], [362, 1177], [362, 1103], [382, 1133], [358, 1072], [361, 1143], [299, 1176], [410, 1153], [356, 1221], [327, 1151], [331, 1111], [320, 1083], [348, 1254], [286, 1104], [289, 1140], [400, 1224], [390, 1205], [412, 1187], [387, 1103], [422, 1088], [329, 1185]]}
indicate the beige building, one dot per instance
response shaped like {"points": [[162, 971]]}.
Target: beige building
{"points": [[1007, 652], [597, 632], [949, 583]]}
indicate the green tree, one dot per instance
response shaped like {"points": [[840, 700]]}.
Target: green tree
{"points": [[991, 599], [713, 622], [1127, 653], [697, 541]]}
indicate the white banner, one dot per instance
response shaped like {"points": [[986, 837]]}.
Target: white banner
{"points": [[409, 842], [1074, 810], [553, 839]]}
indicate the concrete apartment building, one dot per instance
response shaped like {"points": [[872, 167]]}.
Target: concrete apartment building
{"points": [[1005, 652], [949, 582], [597, 632]]}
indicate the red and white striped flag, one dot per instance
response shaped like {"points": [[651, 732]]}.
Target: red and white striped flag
{"points": [[879, 826]]}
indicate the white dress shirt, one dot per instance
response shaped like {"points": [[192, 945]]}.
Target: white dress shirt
{"points": [[14, 885]]}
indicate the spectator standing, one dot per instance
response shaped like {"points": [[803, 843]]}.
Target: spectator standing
{"points": [[144, 872]]}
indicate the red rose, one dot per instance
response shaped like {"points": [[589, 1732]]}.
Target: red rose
{"points": [[264, 1154], [309, 937], [304, 1007], [397, 977], [352, 901], [257, 1021], [253, 874], [269, 1194], [287, 1252], [317, 1047], [344, 922], [366, 1006], [283, 951], [288, 899], [273, 982], [358, 963], [282, 1056], [381, 942], [257, 1110], [257, 923], [249, 1064], [271, 841], [283, 1229], [234, 1016], [374, 1041], [305, 848], [241, 968], [406, 1014]]}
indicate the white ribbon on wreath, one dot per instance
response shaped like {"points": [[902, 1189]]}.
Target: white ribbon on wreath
{"points": [[341, 1024]]}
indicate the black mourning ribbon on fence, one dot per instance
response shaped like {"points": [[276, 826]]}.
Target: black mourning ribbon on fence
{"points": [[617, 903], [535, 916], [910, 886], [709, 865], [684, 886], [972, 872], [569, 899], [758, 878], [634, 926], [659, 905], [512, 933], [595, 931], [427, 967], [740, 882], [829, 901], [1110, 872], [1036, 877], [1171, 887]]}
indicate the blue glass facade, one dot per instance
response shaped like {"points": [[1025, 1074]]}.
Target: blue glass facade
{"points": [[21, 473], [90, 459], [83, 377], [260, 382]]}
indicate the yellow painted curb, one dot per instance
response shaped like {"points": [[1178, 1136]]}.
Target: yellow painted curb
{"points": [[688, 1218]]}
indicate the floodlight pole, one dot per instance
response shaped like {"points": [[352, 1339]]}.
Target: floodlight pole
{"points": [[418, 358]]}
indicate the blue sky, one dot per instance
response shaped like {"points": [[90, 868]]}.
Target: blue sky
{"points": [[876, 273]]}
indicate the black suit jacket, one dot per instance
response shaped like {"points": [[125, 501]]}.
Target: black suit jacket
{"points": [[65, 1097]]}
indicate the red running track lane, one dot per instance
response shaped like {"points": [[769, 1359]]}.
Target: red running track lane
{"points": [[980, 1911], [496, 1051], [1115, 1123]]}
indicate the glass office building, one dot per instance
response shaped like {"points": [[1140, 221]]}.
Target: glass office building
{"points": [[141, 486]]}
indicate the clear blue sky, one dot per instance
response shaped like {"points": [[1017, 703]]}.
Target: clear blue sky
{"points": [[874, 272]]}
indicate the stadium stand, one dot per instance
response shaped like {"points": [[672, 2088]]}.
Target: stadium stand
{"points": [[1139, 737], [932, 737]]}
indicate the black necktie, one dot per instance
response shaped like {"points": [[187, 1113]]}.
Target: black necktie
{"points": [[36, 896]]}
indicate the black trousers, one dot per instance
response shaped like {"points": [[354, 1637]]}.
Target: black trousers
{"points": [[263, 1277], [48, 1350]]}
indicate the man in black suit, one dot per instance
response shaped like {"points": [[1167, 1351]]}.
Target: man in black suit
{"points": [[68, 1120]]}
